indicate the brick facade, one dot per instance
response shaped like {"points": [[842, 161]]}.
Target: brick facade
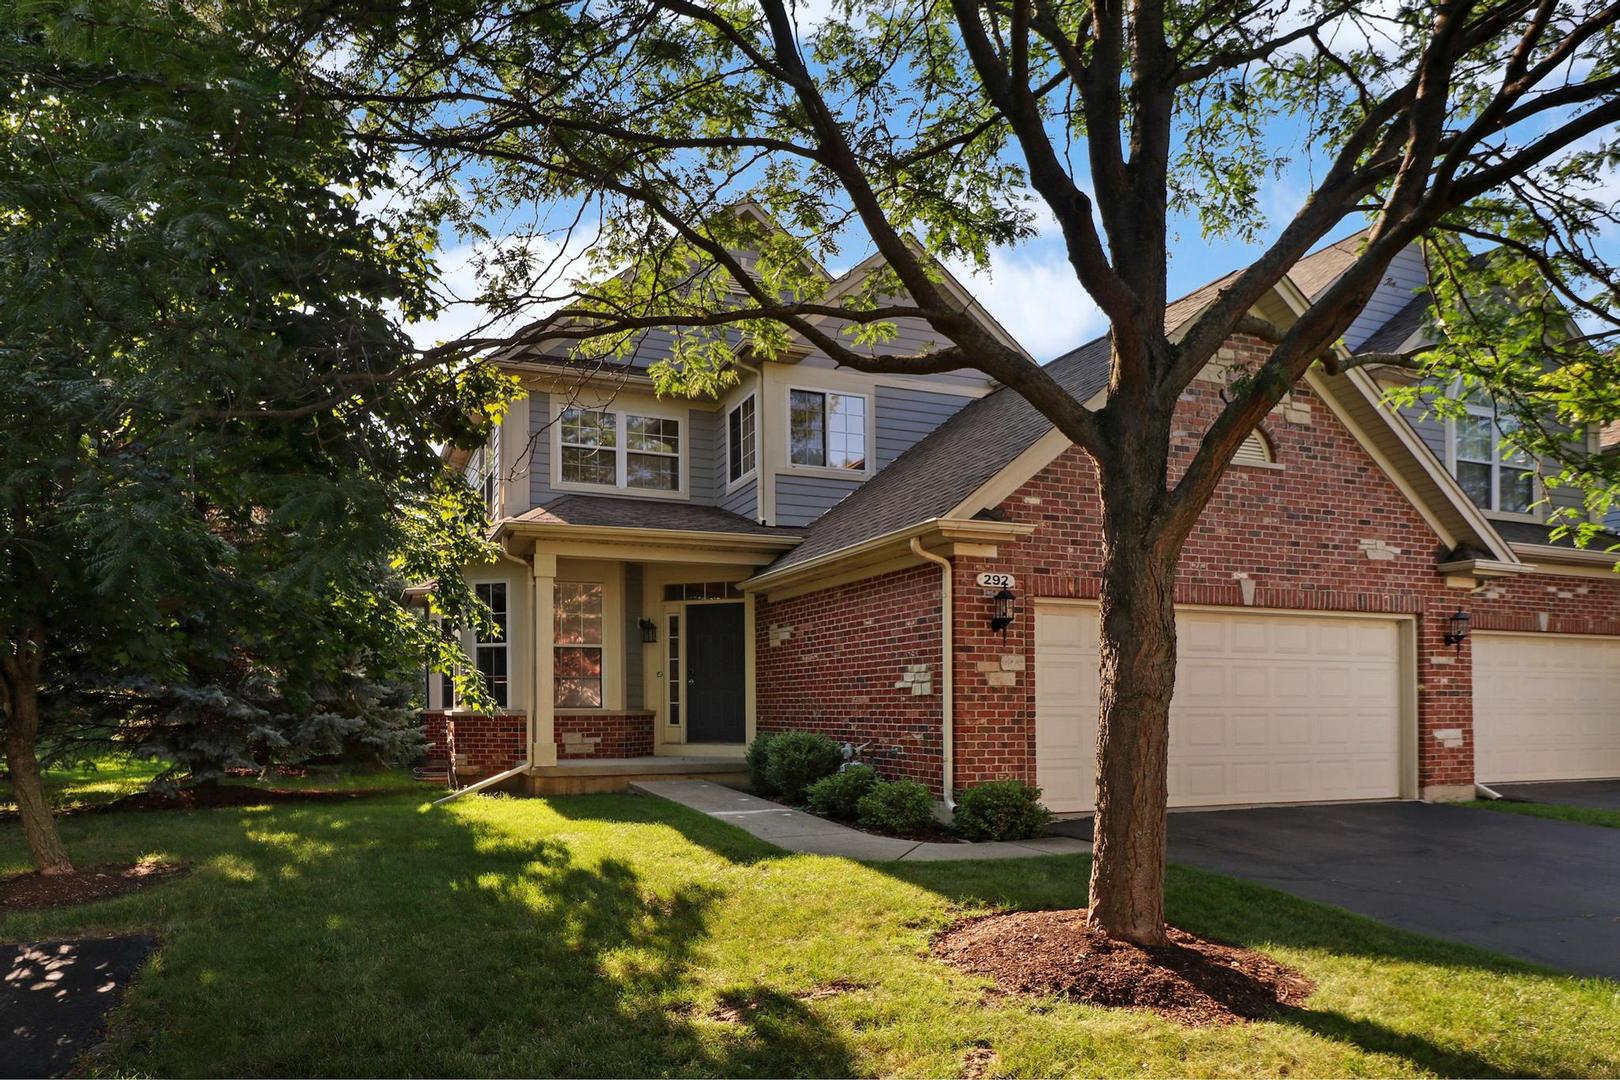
{"points": [[1327, 531], [604, 735], [479, 745], [860, 663]]}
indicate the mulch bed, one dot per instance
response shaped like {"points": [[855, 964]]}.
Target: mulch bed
{"points": [[33, 891], [1191, 980]]}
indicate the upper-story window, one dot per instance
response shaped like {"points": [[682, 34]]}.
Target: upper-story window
{"points": [[741, 452], [483, 470], [827, 430], [619, 449], [1497, 475]]}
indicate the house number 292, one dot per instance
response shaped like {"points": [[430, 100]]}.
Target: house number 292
{"points": [[996, 581]]}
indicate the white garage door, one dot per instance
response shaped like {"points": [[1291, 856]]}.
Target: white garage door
{"points": [[1267, 708], [1546, 707]]}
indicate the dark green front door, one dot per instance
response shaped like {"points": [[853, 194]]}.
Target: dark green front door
{"points": [[715, 689]]}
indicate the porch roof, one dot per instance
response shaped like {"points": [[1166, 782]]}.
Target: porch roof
{"points": [[605, 511]]}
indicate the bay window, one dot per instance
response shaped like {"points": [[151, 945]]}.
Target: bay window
{"points": [[740, 449], [618, 449], [577, 659], [827, 430], [489, 648]]}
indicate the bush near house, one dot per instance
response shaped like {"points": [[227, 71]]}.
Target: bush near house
{"points": [[838, 795], [1001, 810], [796, 759], [759, 760], [897, 806]]}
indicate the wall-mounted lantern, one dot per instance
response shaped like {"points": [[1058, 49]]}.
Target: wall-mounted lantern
{"points": [[1004, 612], [1457, 629], [649, 631]]}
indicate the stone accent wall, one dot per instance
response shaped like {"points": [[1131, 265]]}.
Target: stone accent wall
{"points": [[859, 663], [604, 735]]}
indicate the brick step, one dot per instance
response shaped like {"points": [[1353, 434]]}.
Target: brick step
{"points": [[432, 771]]}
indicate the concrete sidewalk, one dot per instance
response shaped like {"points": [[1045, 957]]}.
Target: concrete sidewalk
{"points": [[798, 831]]}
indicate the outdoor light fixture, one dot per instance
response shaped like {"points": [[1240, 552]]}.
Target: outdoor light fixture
{"points": [[649, 630], [1458, 629], [1004, 611]]}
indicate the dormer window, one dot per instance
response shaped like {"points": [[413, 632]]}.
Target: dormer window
{"points": [[1498, 476], [619, 450]]}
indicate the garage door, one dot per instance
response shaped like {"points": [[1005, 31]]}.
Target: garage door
{"points": [[1546, 707], [1267, 708]]}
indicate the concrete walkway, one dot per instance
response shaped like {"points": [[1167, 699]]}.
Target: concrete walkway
{"points": [[798, 831]]}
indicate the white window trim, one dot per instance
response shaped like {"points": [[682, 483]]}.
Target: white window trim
{"points": [[747, 474], [1537, 492], [602, 648], [620, 411], [828, 470]]}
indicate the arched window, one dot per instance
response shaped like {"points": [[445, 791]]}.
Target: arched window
{"points": [[1256, 450]]}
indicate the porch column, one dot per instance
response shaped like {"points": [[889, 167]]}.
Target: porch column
{"points": [[543, 740]]}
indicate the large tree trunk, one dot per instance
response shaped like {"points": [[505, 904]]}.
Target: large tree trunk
{"points": [[22, 759], [1138, 645]]}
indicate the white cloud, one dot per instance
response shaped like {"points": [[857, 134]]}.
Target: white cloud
{"points": [[1034, 294]]}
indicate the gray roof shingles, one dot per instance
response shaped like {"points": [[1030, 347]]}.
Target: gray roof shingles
{"points": [[950, 463], [609, 511]]}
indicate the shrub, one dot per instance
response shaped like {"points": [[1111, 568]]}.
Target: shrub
{"points": [[837, 795], [1001, 810], [759, 759], [898, 806], [797, 759]]}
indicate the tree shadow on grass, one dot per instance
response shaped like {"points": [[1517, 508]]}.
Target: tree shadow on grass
{"points": [[380, 939]]}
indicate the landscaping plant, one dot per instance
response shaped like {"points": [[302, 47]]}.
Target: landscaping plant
{"points": [[1001, 810], [838, 795], [896, 806], [758, 758], [796, 759]]}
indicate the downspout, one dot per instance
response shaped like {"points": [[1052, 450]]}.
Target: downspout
{"points": [[947, 704], [488, 781]]}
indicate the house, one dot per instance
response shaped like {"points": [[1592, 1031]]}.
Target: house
{"points": [[823, 549]]}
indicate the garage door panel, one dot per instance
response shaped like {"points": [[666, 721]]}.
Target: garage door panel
{"points": [[1546, 707], [1267, 708]]}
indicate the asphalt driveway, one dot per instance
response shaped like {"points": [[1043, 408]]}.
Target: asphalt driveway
{"points": [[1593, 794], [1544, 891]]}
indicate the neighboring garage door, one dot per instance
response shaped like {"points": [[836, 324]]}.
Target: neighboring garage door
{"points": [[1267, 708], [1546, 707]]}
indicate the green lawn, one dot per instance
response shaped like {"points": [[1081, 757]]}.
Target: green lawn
{"points": [[619, 935], [1585, 815]]}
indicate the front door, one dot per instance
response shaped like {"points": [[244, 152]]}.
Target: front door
{"points": [[714, 674]]}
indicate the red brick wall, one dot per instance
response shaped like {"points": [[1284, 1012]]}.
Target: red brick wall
{"points": [[483, 745], [604, 735], [1296, 533], [836, 671]]}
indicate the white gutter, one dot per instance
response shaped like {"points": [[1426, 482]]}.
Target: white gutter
{"points": [[487, 781], [947, 717]]}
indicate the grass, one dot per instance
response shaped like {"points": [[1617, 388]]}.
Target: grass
{"points": [[1585, 815], [109, 778], [624, 936]]}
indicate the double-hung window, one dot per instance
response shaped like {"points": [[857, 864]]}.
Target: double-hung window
{"points": [[489, 647], [483, 468], [577, 658], [615, 449], [740, 448], [1497, 475], [827, 430]]}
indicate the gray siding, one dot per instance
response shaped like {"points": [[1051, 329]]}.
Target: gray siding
{"points": [[1430, 428], [905, 415], [634, 695], [539, 451], [1405, 276], [744, 501], [703, 446], [802, 499]]}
